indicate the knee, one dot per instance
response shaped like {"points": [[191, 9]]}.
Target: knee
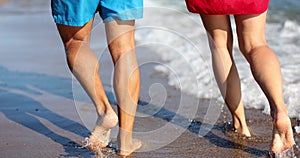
{"points": [[74, 39], [71, 35], [75, 44], [124, 51], [76, 51], [248, 49]]}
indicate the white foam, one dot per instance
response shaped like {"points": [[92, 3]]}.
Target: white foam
{"points": [[297, 129], [180, 39]]}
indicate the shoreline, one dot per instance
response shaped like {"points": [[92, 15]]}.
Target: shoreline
{"points": [[217, 142], [40, 119]]}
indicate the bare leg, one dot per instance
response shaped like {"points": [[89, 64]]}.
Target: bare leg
{"points": [[120, 37], [84, 65], [265, 68], [220, 39]]}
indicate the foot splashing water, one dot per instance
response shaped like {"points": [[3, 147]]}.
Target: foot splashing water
{"points": [[292, 152]]}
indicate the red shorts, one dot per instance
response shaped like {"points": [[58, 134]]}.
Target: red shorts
{"points": [[225, 7]]}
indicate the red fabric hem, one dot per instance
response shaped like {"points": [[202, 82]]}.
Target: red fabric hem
{"points": [[225, 7]]}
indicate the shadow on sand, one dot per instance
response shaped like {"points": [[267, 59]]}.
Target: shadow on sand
{"points": [[25, 110], [195, 127]]}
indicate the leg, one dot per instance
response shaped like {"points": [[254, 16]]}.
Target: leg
{"points": [[84, 65], [220, 39], [120, 37], [265, 68]]}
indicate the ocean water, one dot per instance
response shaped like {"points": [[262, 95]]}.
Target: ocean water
{"points": [[179, 38]]}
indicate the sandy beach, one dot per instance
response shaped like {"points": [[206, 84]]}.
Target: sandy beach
{"points": [[40, 117]]}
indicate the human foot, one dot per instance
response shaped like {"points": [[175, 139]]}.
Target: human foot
{"points": [[99, 138], [282, 134], [240, 130], [243, 130], [288, 153], [130, 147]]}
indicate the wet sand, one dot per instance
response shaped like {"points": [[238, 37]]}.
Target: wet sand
{"points": [[39, 117]]}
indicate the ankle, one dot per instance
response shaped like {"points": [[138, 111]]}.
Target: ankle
{"points": [[239, 123], [241, 127], [281, 114], [103, 107], [282, 122], [278, 110]]}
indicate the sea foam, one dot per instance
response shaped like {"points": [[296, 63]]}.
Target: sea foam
{"points": [[179, 38]]}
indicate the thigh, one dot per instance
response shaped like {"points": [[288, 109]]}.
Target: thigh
{"points": [[73, 34], [219, 30], [251, 31], [120, 37]]}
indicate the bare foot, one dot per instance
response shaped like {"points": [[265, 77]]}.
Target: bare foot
{"points": [[130, 148], [240, 130], [99, 138], [243, 130], [282, 134], [240, 125]]}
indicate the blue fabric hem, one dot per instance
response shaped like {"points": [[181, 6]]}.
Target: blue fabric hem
{"points": [[63, 21], [133, 14]]}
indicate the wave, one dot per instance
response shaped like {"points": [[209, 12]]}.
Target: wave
{"points": [[180, 40]]}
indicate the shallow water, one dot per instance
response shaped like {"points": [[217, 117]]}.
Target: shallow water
{"points": [[181, 41], [289, 153], [184, 139]]}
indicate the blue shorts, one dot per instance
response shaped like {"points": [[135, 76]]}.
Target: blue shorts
{"points": [[79, 12]]}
